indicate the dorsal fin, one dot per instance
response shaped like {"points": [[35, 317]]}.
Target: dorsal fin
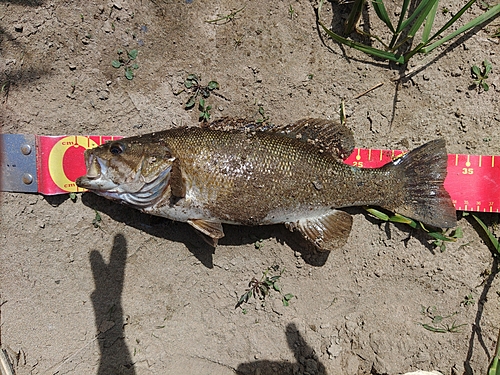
{"points": [[327, 135], [236, 124]]}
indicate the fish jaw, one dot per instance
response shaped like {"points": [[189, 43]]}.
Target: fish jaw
{"points": [[95, 179]]}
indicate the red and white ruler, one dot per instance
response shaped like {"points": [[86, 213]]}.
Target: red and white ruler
{"points": [[49, 165]]}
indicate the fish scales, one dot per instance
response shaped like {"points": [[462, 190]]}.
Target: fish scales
{"points": [[207, 176], [245, 177]]}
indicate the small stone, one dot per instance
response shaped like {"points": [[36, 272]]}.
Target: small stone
{"points": [[108, 83], [107, 27], [117, 5], [103, 95], [72, 66], [334, 350], [18, 28]]}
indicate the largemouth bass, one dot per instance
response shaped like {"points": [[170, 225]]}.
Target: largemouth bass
{"points": [[238, 173]]}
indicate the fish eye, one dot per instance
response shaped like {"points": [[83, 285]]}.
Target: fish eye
{"points": [[116, 148]]}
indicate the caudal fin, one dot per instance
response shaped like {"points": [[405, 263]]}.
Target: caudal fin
{"points": [[422, 173]]}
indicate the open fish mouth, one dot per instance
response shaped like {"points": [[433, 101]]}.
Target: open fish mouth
{"points": [[94, 179]]}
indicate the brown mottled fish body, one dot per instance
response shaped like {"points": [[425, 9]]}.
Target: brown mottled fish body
{"points": [[208, 176]]}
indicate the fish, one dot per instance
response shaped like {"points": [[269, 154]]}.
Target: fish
{"points": [[238, 172]]}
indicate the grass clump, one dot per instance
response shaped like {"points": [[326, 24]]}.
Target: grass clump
{"points": [[403, 32]]}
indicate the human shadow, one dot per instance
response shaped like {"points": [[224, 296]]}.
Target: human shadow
{"points": [[184, 233], [305, 356], [106, 299]]}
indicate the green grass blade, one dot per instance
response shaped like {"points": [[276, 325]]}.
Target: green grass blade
{"points": [[422, 16], [379, 7], [404, 9], [490, 235], [422, 10], [429, 22], [491, 13], [453, 19], [363, 48], [494, 366], [353, 18]]}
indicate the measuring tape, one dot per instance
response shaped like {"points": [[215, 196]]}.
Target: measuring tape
{"points": [[49, 165]]}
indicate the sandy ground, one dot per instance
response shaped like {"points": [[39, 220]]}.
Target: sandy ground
{"points": [[144, 295]]}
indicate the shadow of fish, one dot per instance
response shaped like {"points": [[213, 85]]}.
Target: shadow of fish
{"points": [[241, 173]]}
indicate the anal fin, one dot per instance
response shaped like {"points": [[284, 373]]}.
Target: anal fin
{"points": [[211, 231], [327, 232]]}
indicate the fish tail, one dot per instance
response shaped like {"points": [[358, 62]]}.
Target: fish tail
{"points": [[422, 173]]}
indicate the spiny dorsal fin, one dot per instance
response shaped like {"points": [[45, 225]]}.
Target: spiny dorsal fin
{"points": [[327, 135], [236, 124], [326, 232]]}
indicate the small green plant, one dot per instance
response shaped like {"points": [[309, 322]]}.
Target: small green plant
{"points": [[437, 324], [440, 238], [262, 114], [97, 220], [72, 196], [468, 300], [204, 110], [291, 12], [125, 59], [260, 289], [192, 83], [408, 24], [481, 75], [223, 19]]}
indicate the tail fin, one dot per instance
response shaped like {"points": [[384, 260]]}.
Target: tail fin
{"points": [[422, 172]]}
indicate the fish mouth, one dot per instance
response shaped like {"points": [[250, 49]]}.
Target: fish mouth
{"points": [[92, 180]]}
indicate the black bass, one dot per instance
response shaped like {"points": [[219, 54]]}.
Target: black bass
{"points": [[236, 173]]}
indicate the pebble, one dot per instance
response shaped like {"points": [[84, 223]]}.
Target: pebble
{"points": [[107, 27], [18, 28]]}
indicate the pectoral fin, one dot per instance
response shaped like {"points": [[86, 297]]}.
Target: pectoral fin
{"points": [[327, 232], [177, 182], [210, 230]]}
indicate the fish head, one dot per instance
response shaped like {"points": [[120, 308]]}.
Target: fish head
{"points": [[130, 170]]}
